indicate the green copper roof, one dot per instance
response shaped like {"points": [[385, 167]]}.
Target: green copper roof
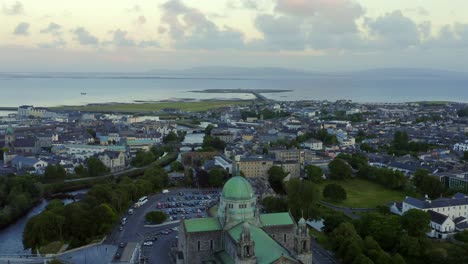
{"points": [[202, 225], [267, 250], [10, 130], [276, 219], [238, 188]]}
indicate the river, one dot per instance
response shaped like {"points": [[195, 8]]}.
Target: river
{"points": [[11, 238]]}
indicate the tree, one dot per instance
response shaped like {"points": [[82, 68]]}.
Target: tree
{"points": [[465, 155], [50, 172], [302, 198], [61, 172], [210, 142], [96, 167], [177, 166], [275, 204], [216, 177], [334, 192], [428, 184], [80, 170], [332, 220], [104, 218], [156, 217], [157, 176], [208, 129], [416, 222], [91, 132], [276, 175], [314, 173], [339, 169], [171, 137], [362, 259]]}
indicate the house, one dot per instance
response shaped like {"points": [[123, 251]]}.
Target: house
{"points": [[114, 160], [313, 144], [442, 226], [21, 163], [253, 166], [448, 215]]}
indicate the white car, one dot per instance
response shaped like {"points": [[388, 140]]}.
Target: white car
{"points": [[148, 243]]}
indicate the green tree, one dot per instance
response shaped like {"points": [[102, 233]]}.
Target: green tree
{"points": [[177, 166], [50, 172], [156, 217], [275, 204], [428, 184], [276, 174], [215, 143], [104, 217], [171, 137], [61, 172], [332, 220], [302, 198], [80, 170], [157, 176], [208, 129], [314, 173], [398, 259], [339, 169], [416, 222], [96, 167], [216, 177], [362, 259], [334, 192]]}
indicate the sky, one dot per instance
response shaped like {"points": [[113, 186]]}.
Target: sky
{"points": [[315, 35]]}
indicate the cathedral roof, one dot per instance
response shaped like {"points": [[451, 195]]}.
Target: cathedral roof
{"points": [[276, 219], [238, 188], [202, 225], [10, 130], [267, 250]]}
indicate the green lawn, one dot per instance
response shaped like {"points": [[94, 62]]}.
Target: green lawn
{"points": [[52, 248], [364, 194], [149, 107]]}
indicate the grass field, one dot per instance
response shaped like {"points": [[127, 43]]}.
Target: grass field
{"points": [[364, 194], [157, 106], [52, 248]]}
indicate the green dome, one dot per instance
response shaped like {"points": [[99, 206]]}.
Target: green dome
{"points": [[10, 130], [238, 188]]}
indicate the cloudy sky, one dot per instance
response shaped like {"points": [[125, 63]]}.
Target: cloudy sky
{"points": [[318, 35]]}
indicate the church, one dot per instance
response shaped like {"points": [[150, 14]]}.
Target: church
{"points": [[240, 234]]}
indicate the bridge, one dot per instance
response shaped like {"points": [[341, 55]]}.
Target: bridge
{"points": [[256, 92]]}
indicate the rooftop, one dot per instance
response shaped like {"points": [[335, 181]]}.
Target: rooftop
{"points": [[276, 219], [202, 225]]}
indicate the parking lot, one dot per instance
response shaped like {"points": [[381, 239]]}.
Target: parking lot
{"points": [[155, 240]]}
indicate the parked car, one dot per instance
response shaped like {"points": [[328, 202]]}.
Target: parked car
{"points": [[148, 243]]}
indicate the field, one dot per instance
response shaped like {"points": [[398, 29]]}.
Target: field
{"points": [[157, 106], [364, 194]]}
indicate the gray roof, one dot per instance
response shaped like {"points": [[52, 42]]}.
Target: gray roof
{"points": [[437, 218], [440, 202]]}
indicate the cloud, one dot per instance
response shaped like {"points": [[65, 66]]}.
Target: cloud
{"points": [[134, 9], [13, 10], [22, 29], [53, 28], [120, 39], [395, 30], [149, 44], [279, 33], [449, 36], [189, 28], [141, 20], [84, 37], [56, 43]]}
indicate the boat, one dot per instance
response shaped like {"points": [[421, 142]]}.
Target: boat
{"points": [[83, 93]]}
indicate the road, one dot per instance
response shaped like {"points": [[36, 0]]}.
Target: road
{"points": [[321, 256], [354, 213]]}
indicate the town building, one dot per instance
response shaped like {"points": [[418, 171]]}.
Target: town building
{"points": [[252, 166], [113, 160]]}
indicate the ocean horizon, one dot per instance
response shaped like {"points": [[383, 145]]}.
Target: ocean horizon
{"points": [[54, 90]]}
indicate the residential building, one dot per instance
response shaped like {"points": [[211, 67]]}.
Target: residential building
{"points": [[252, 166], [313, 144], [114, 160]]}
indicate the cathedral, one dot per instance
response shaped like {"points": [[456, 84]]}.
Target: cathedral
{"points": [[240, 234]]}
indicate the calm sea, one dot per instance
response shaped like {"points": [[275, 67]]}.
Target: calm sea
{"points": [[52, 91]]}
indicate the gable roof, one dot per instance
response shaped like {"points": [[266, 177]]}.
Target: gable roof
{"points": [[267, 250], [202, 225], [437, 218], [276, 219], [440, 202]]}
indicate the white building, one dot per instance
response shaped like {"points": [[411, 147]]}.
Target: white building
{"points": [[461, 146], [313, 144], [448, 215]]}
